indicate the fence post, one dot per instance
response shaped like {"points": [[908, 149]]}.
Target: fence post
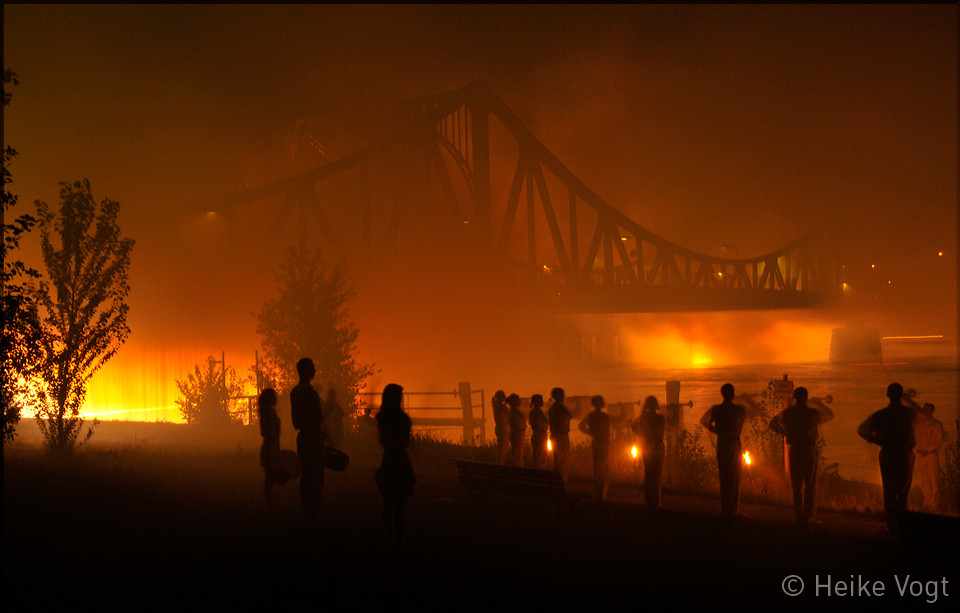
{"points": [[673, 412], [466, 407], [783, 389]]}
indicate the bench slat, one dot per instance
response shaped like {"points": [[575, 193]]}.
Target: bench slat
{"points": [[510, 479]]}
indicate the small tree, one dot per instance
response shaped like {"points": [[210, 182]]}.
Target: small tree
{"points": [[83, 308], [309, 319], [20, 341], [693, 468], [205, 395], [766, 444]]}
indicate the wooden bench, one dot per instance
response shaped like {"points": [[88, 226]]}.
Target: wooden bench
{"points": [[515, 480]]}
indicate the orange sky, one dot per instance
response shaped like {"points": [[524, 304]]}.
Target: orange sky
{"points": [[709, 125]]}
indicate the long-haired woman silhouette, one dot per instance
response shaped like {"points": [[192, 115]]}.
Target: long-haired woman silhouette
{"points": [[395, 476]]}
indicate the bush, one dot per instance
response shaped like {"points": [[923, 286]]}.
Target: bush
{"points": [[205, 395], [764, 444], [690, 467], [950, 475]]}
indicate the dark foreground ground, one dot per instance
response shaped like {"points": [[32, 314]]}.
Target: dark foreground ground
{"points": [[140, 527]]}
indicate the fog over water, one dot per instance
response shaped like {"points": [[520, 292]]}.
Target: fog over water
{"points": [[730, 131]]}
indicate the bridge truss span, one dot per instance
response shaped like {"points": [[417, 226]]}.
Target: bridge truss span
{"points": [[540, 222]]}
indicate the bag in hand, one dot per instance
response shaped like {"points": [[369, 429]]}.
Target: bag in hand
{"points": [[288, 468], [334, 459]]}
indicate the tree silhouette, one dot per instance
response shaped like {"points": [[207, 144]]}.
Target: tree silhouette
{"points": [[83, 313], [309, 319], [20, 341], [205, 394]]}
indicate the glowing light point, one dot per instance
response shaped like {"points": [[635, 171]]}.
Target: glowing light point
{"points": [[549, 445], [939, 254], [746, 458], [873, 266], [634, 452]]}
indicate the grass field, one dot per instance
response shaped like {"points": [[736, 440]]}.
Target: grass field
{"points": [[147, 525]]}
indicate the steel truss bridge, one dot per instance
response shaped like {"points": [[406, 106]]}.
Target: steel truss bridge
{"points": [[437, 165]]}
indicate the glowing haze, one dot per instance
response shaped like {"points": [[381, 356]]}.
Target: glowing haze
{"points": [[728, 130]]}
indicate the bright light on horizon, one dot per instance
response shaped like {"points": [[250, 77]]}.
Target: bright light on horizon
{"points": [[169, 414], [929, 336], [150, 414]]}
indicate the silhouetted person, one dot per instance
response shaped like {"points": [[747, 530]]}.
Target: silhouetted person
{"points": [[368, 431], [892, 428], [501, 425], [270, 447], [539, 427], [333, 419], [518, 428], [597, 426], [726, 421], [650, 427], [800, 423], [395, 476], [559, 418], [306, 411], [929, 435]]}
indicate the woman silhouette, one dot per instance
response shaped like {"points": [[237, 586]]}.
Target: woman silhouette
{"points": [[270, 447], [650, 427], [395, 476]]}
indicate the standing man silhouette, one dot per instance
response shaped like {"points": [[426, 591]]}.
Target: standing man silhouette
{"points": [[597, 425], [892, 428], [333, 416], [518, 428], [559, 417], [800, 423], [306, 412], [538, 431], [501, 425], [726, 421]]}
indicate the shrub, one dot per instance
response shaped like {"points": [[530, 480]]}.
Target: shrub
{"points": [[691, 467], [205, 394], [950, 475]]}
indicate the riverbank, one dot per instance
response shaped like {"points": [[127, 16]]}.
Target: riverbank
{"points": [[124, 526]]}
